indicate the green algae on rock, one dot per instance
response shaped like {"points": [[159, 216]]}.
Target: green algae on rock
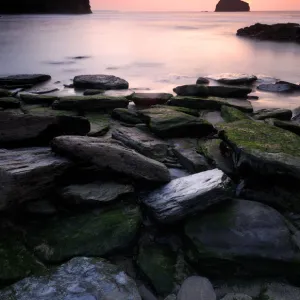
{"points": [[38, 99], [126, 115], [231, 114], [263, 148], [90, 234]]}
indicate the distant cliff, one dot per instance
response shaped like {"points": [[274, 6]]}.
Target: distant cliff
{"points": [[45, 7], [232, 5]]}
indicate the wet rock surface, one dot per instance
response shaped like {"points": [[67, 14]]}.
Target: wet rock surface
{"points": [[24, 79], [148, 99]]}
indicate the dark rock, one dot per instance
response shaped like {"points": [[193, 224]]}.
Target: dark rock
{"points": [[95, 193], [28, 174], [9, 102], [100, 124], [69, 86], [291, 126], [79, 279], [196, 288], [4, 93], [211, 103], [232, 6], [233, 238], [18, 130], [234, 296], [262, 148], [38, 99], [215, 91], [126, 115], [277, 113], [149, 99], [143, 142], [170, 123], [53, 7], [189, 111], [293, 86], [275, 88], [232, 78], [40, 208], [289, 32], [186, 152], [188, 195], [92, 92], [90, 103], [23, 78], [80, 57], [89, 234], [103, 82], [43, 90], [16, 86], [106, 155], [231, 114], [202, 80]]}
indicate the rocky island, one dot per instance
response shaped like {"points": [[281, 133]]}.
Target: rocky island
{"points": [[45, 7], [232, 6]]}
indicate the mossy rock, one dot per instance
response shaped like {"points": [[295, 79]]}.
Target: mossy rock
{"points": [[5, 93], [231, 114], [263, 148], [38, 99], [39, 110], [100, 124], [16, 262], [189, 111], [91, 234], [158, 263], [9, 102], [126, 115]]}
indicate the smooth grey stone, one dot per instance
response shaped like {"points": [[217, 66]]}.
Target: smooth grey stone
{"points": [[196, 288], [187, 195], [79, 279]]}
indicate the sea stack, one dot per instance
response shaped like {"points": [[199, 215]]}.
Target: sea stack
{"points": [[46, 7], [232, 6]]}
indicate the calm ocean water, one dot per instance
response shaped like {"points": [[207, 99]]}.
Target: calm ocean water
{"points": [[151, 50]]}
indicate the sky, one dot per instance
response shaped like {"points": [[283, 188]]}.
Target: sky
{"points": [[189, 5]]}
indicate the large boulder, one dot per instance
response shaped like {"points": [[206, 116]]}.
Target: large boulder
{"points": [[196, 288], [95, 193], [232, 78], [197, 90], [20, 129], [211, 103], [149, 99], [232, 6], [234, 237], [105, 155], [188, 195], [23, 78], [90, 103], [102, 82], [28, 174], [289, 32], [170, 123], [92, 234], [262, 148], [79, 279], [142, 141]]}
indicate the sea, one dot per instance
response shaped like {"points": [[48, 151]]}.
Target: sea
{"points": [[154, 51]]}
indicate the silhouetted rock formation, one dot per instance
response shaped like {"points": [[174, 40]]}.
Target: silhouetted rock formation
{"points": [[232, 5], [289, 32], [45, 7]]}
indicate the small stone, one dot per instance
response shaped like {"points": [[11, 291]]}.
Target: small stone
{"points": [[202, 80], [149, 99]]}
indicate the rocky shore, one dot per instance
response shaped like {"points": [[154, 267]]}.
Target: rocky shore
{"points": [[191, 195]]}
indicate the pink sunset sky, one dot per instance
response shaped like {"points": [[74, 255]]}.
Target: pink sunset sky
{"points": [[189, 5]]}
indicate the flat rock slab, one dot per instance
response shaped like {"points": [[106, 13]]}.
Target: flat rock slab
{"points": [[232, 78], [18, 130], [93, 234], [106, 155], [241, 232], [149, 99], [90, 103], [291, 126], [143, 142], [170, 123], [79, 279], [9, 102], [24, 79], [188, 195], [95, 193], [102, 82], [214, 91], [28, 174], [211, 103], [275, 88], [126, 115], [277, 113], [231, 114], [196, 288], [262, 148], [92, 92], [38, 99]]}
